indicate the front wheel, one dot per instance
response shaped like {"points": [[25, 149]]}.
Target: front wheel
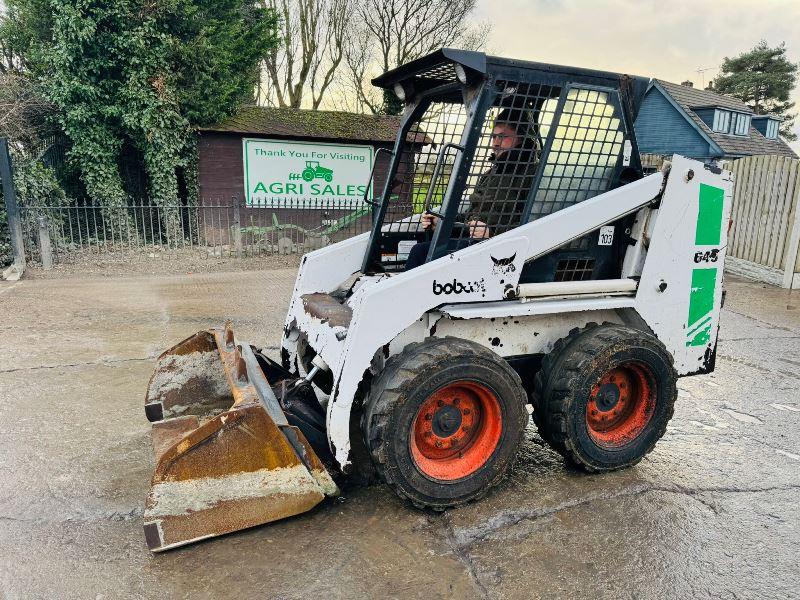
{"points": [[443, 421]]}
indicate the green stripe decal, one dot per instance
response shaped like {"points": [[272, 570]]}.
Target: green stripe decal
{"points": [[709, 216], [701, 305]]}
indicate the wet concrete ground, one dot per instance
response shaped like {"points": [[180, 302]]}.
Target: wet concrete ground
{"points": [[712, 512]]}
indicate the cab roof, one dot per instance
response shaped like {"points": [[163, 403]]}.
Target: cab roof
{"points": [[439, 68]]}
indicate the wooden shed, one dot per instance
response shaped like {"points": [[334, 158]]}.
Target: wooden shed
{"points": [[301, 168]]}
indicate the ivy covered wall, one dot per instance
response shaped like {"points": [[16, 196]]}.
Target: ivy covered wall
{"points": [[129, 80]]}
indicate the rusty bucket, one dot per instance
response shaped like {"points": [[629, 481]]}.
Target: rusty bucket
{"points": [[226, 457]]}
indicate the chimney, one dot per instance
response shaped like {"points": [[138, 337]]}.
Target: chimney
{"points": [[687, 83], [710, 85]]}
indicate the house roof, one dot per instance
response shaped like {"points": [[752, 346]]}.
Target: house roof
{"points": [[692, 97], [321, 124], [689, 98]]}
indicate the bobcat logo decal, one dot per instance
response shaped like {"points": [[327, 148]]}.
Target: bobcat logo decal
{"points": [[503, 266], [457, 287]]}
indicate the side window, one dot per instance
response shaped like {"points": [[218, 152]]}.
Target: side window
{"points": [[772, 129], [441, 124], [504, 165], [587, 142], [722, 121]]}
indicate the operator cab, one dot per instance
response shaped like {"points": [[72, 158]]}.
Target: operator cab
{"points": [[487, 144]]}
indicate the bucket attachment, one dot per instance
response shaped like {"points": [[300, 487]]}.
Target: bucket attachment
{"points": [[226, 456]]}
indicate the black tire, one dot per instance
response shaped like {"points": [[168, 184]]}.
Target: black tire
{"points": [[571, 405], [407, 383], [551, 363]]}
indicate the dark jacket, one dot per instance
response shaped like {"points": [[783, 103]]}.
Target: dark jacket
{"points": [[501, 192]]}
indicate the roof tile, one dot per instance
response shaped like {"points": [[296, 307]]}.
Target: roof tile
{"points": [[323, 124], [755, 143]]}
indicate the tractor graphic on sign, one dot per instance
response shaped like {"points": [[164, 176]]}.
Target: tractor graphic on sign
{"points": [[314, 171]]}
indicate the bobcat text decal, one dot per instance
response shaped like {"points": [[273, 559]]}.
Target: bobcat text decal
{"points": [[503, 266], [457, 287]]}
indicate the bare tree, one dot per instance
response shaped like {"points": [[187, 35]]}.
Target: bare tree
{"points": [[314, 33], [24, 113], [393, 32], [8, 59]]}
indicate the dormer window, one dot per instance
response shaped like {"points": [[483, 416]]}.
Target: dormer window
{"points": [[722, 121], [768, 125], [772, 129], [730, 122], [742, 124]]}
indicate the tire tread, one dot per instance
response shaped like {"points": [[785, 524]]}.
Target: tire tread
{"points": [[396, 381]]}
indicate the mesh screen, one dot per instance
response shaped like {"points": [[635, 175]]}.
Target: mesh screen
{"points": [[574, 269], [587, 138], [504, 164], [440, 73], [442, 123], [501, 172], [586, 146]]}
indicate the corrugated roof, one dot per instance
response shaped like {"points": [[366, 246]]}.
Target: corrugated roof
{"points": [[322, 124], [689, 98]]}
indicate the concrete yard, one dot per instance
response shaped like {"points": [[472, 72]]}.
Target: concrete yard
{"points": [[711, 513]]}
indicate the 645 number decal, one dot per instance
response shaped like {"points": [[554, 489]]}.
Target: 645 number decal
{"points": [[708, 256]]}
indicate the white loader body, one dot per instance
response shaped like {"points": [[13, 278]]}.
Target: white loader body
{"points": [[671, 283]]}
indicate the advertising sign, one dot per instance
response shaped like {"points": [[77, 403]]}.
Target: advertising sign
{"points": [[289, 174]]}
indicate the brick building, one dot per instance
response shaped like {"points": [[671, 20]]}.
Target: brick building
{"points": [[226, 178]]}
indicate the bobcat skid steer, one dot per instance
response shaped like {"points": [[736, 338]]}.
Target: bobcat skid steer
{"points": [[519, 263]]}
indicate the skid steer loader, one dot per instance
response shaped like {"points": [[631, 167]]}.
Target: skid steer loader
{"points": [[519, 262]]}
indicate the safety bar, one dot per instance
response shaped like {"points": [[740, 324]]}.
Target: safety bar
{"points": [[436, 173], [372, 174]]}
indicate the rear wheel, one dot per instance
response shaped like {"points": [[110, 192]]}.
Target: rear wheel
{"points": [[604, 400], [551, 363], [443, 421]]}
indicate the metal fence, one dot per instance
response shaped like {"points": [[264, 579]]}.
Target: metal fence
{"points": [[212, 229]]}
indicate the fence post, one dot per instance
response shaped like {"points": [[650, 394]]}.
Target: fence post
{"points": [[12, 209], [44, 244], [793, 247], [237, 229]]}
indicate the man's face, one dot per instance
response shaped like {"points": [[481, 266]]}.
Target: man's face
{"points": [[504, 138]]}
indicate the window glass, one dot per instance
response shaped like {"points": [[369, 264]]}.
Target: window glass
{"points": [[722, 121], [742, 124], [772, 129]]}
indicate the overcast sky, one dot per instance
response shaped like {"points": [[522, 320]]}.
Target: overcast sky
{"points": [[656, 38]]}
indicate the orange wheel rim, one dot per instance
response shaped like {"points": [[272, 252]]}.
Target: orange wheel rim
{"points": [[621, 405], [456, 431]]}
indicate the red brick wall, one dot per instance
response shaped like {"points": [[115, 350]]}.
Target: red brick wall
{"points": [[220, 167]]}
